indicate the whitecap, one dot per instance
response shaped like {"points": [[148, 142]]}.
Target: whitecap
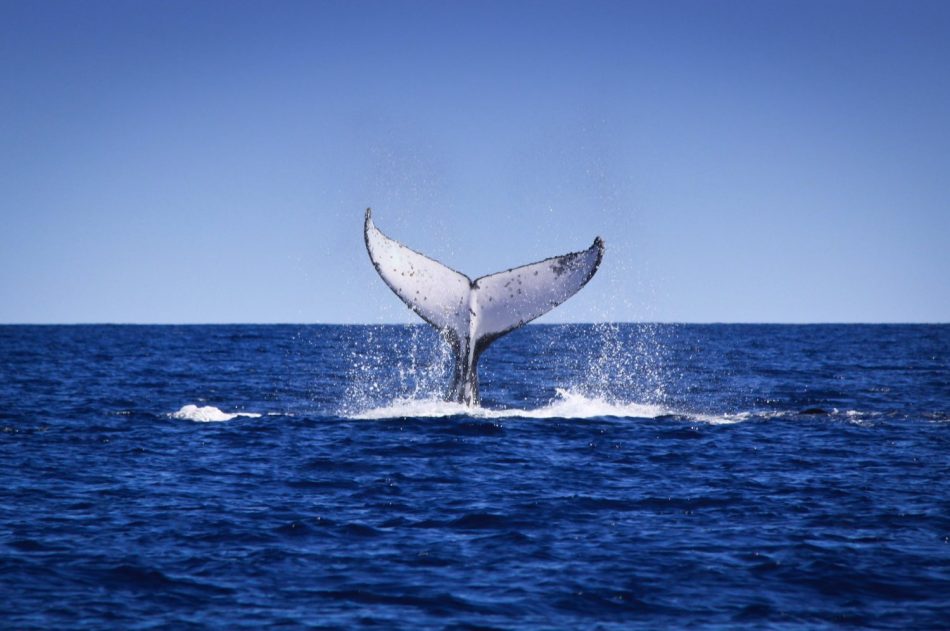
{"points": [[737, 417], [207, 414], [567, 404]]}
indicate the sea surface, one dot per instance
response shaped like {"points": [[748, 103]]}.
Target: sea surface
{"points": [[633, 476]]}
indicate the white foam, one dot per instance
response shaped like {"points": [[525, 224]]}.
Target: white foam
{"points": [[856, 417], [576, 405], [207, 414], [567, 405]]}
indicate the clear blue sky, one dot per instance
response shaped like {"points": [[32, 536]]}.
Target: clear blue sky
{"points": [[211, 161]]}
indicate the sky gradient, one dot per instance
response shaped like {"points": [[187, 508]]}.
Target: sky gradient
{"points": [[192, 162]]}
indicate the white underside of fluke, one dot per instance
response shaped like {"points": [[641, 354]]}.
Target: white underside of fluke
{"points": [[472, 314]]}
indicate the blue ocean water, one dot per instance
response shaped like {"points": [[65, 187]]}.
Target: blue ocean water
{"points": [[617, 477]]}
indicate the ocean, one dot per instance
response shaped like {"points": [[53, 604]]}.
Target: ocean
{"points": [[617, 476]]}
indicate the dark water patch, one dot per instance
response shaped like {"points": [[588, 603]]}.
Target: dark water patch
{"points": [[359, 530], [479, 521], [466, 626], [295, 529], [332, 464], [138, 578], [336, 484], [470, 428], [693, 432], [439, 604], [29, 545], [599, 602]]}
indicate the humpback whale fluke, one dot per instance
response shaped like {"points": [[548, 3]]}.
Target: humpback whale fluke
{"points": [[471, 314]]}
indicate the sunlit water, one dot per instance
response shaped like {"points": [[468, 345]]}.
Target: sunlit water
{"points": [[616, 476]]}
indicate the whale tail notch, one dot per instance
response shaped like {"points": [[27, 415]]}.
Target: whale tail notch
{"points": [[471, 314]]}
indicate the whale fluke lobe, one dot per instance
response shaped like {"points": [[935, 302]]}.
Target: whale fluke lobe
{"points": [[471, 314]]}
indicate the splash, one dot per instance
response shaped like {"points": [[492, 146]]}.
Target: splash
{"points": [[422, 367], [604, 369], [207, 414], [566, 404], [628, 364]]}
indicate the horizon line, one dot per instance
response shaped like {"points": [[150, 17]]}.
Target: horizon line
{"points": [[662, 322]]}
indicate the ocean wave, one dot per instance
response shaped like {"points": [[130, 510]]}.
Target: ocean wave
{"points": [[208, 414]]}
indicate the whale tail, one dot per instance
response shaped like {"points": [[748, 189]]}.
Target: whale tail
{"points": [[471, 314]]}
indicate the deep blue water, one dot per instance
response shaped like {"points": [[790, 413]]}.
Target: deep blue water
{"points": [[650, 476]]}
